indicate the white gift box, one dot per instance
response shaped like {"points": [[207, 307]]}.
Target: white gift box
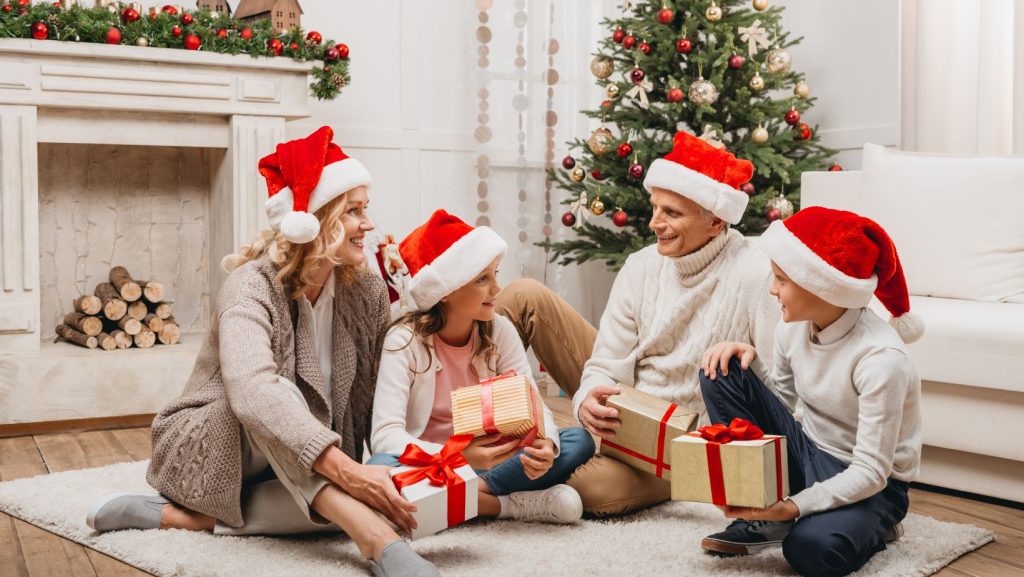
{"points": [[432, 500]]}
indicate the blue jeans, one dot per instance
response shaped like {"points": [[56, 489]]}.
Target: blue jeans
{"points": [[830, 543], [576, 448]]}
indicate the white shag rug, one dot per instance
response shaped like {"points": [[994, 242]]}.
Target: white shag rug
{"points": [[661, 541]]}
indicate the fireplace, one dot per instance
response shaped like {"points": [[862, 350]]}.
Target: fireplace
{"points": [[118, 155]]}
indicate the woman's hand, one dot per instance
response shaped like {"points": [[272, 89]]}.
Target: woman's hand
{"points": [[784, 510], [717, 358], [482, 453], [370, 484], [538, 458]]}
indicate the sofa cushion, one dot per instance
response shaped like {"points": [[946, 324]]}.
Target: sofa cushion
{"points": [[958, 222]]}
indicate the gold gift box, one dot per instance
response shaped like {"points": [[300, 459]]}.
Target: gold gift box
{"points": [[747, 473], [516, 404], [644, 423]]}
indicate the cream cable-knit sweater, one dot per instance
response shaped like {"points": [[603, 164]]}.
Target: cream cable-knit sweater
{"points": [[663, 313]]}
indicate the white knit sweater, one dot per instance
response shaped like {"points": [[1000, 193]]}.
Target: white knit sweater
{"points": [[663, 313]]}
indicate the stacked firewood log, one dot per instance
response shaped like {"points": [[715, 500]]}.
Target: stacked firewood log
{"points": [[120, 314]]}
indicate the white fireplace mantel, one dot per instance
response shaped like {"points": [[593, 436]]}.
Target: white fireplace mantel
{"points": [[63, 92]]}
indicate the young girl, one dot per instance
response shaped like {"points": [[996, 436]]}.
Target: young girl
{"points": [[452, 340], [848, 374]]}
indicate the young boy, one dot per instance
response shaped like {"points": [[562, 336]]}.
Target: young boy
{"points": [[846, 375]]}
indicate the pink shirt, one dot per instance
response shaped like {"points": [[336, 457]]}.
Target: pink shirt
{"points": [[456, 371]]}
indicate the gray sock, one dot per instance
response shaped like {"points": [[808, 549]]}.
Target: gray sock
{"points": [[118, 512], [399, 560]]}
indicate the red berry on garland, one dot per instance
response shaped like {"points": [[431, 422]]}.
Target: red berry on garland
{"points": [[748, 188], [636, 170], [637, 76], [606, 103], [222, 34], [192, 42], [186, 18], [645, 48], [665, 15], [314, 37], [331, 54], [773, 215], [568, 219], [245, 33], [675, 94], [618, 36], [24, 2], [176, 31], [620, 218], [625, 149], [294, 46], [40, 31], [7, 8], [129, 15], [684, 46], [342, 50], [596, 174], [276, 46], [113, 36], [568, 163], [804, 131], [56, 4], [792, 117], [327, 68], [168, 9], [629, 42], [736, 61], [835, 168]]}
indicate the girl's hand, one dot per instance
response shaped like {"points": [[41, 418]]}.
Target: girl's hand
{"points": [[538, 459], [717, 358], [784, 510], [482, 453]]}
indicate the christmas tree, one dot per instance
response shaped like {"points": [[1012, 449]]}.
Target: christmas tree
{"points": [[720, 70]]}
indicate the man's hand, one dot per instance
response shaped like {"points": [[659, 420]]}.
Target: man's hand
{"points": [[482, 453], [784, 510], [538, 459], [717, 358], [595, 416]]}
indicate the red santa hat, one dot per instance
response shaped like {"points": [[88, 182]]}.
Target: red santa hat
{"points": [[304, 175], [707, 175], [445, 254], [843, 258]]}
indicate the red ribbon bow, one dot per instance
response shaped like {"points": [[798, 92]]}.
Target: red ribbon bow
{"points": [[439, 469], [737, 430]]}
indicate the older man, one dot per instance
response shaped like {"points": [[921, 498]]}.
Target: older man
{"points": [[702, 283]]}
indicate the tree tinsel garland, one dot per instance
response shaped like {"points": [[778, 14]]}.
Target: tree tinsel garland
{"points": [[78, 24]]}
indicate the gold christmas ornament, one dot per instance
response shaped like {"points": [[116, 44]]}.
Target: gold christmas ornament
{"points": [[597, 207], [802, 90], [612, 91], [578, 174], [782, 204], [600, 141], [759, 135], [778, 61], [757, 83], [142, 41], [713, 13], [601, 67], [760, 5], [703, 92]]}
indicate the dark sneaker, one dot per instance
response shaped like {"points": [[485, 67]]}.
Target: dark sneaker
{"points": [[893, 533], [747, 537]]}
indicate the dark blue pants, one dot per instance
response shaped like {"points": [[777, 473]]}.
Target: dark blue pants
{"points": [[830, 543]]}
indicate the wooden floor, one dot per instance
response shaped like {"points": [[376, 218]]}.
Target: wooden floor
{"points": [[26, 551]]}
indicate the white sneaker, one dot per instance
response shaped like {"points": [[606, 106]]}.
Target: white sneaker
{"points": [[559, 504]]}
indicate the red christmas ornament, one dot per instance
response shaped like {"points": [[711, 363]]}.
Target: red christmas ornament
{"points": [[773, 215], [276, 46], [618, 36], [113, 36], [636, 170], [23, 11], [835, 168], [326, 68], [129, 15], [606, 103], [665, 15], [736, 61], [804, 131], [56, 4], [294, 47], [186, 18], [192, 42], [222, 34], [568, 219], [7, 8], [40, 31], [568, 163], [176, 31], [675, 94], [331, 54], [792, 117], [645, 48], [637, 76], [625, 149], [629, 42], [596, 174], [314, 37], [684, 46], [342, 51], [245, 33], [24, 2], [168, 9], [748, 187], [620, 218]]}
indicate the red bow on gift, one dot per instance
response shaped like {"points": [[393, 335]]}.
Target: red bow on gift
{"points": [[439, 469], [738, 430]]}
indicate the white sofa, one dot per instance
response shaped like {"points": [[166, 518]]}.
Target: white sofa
{"points": [[971, 357]]}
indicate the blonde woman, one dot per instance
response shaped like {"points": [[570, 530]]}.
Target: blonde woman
{"points": [[267, 437]]}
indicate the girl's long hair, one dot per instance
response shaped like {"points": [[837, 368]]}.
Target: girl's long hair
{"points": [[425, 324]]}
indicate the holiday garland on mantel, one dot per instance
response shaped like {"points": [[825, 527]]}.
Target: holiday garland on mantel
{"points": [[173, 27]]}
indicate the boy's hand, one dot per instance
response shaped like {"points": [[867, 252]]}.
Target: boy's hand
{"points": [[717, 358], [784, 510]]}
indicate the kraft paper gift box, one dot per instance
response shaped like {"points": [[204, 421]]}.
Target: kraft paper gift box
{"points": [[739, 473], [648, 426], [508, 404], [443, 486]]}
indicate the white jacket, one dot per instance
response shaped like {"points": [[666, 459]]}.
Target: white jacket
{"points": [[404, 399]]}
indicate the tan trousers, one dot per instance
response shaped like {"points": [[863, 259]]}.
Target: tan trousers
{"points": [[563, 340], [276, 493]]}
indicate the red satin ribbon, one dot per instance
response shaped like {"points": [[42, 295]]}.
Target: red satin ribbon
{"points": [[737, 430], [439, 469], [660, 466], [487, 409]]}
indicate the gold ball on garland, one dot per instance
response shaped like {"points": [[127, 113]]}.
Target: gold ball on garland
{"points": [[578, 174], [759, 135], [760, 5], [781, 204], [778, 61], [713, 13], [597, 207], [142, 41], [600, 141], [802, 90], [601, 67], [703, 92], [612, 91], [757, 83], [213, 14]]}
